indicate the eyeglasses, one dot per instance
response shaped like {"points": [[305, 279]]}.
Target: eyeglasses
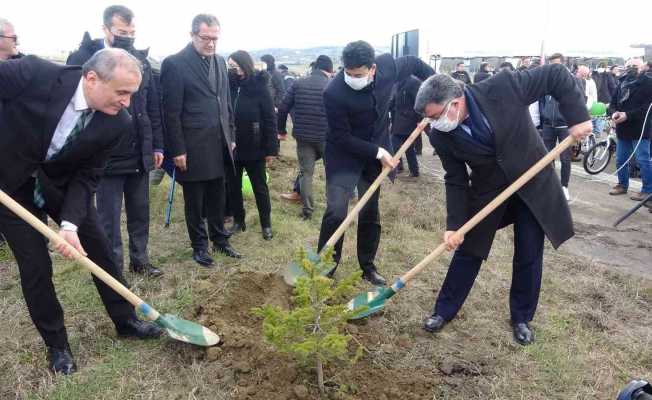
{"points": [[14, 38], [207, 39]]}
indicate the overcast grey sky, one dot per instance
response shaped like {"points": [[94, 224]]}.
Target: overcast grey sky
{"points": [[54, 26]]}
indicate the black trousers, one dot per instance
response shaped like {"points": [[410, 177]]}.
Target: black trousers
{"points": [[410, 154], [337, 203], [418, 145], [204, 205], [135, 189], [551, 136], [256, 170], [35, 266], [527, 266]]}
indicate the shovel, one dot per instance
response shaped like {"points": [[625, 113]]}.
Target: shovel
{"points": [[168, 209], [177, 328], [373, 301], [294, 271], [633, 210]]}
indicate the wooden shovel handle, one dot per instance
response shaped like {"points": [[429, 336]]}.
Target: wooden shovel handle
{"points": [[56, 239], [489, 208], [372, 189]]}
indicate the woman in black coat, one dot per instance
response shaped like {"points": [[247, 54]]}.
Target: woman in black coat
{"points": [[255, 138], [482, 74]]}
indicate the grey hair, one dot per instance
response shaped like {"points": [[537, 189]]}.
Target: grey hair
{"points": [[105, 62], [3, 24], [438, 89], [208, 19]]}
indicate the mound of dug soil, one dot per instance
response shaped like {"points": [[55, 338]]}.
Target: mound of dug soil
{"points": [[256, 371]]}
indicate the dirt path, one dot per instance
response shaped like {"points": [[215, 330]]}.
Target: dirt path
{"points": [[627, 248]]}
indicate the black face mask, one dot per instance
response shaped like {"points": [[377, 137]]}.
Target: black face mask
{"points": [[123, 42], [233, 75]]}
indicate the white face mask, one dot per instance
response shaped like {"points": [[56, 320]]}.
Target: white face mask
{"points": [[444, 124], [357, 83], [601, 70]]}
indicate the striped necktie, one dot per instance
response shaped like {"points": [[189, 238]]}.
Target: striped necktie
{"points": [[82, 122]]}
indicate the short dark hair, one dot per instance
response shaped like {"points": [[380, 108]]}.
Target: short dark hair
{"points": [[324, 63], [244, 61], [358, 54], [459, 63], [484, 66], [208, 19], [270, 61], [121, 12], [507, 65], [556, 56]]}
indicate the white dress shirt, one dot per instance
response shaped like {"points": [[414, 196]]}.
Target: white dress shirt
{"points": [[534, 113], [68, 120]]}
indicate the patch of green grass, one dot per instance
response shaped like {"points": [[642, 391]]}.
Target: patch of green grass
{"points": [[5, 254], [103, 379], [592, 326]]}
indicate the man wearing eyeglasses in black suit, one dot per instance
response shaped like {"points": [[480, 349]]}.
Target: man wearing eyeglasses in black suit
{"points": [[8, 51], [199, 125], [8, 41]]}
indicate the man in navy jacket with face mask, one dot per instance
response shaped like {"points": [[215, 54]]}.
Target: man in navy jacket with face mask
{"points": [[357, 142]]}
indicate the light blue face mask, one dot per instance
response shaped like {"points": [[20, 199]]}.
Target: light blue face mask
{"points": [[444, 124]]}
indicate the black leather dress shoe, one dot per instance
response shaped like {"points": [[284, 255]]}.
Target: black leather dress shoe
{"points": [[61, 361], [267, 233], [146, 269], [434, 323], [374, 278], [227, 250], [238, 227], [138, 329], [202, 258], [523, 333]]}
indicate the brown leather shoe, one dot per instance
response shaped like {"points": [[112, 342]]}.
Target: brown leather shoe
{"points": [[618, 190], [293, 197], [639, 196]]}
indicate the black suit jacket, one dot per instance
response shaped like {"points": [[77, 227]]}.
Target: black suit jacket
{"points": [[504, 100], [195, 116], [358, 120], [35, 93]]}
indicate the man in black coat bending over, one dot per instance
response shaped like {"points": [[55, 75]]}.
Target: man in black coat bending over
{"points": [[357, 142], [486, 127], [59, 125], [199, 123]]}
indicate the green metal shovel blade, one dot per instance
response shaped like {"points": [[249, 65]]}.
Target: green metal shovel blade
{"points": [[369, 302], [187, 331], [293, 272]]}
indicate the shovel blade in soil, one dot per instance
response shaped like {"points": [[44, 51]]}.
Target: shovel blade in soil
{"points": [[187, 331], [368, 303], [294, 271]]}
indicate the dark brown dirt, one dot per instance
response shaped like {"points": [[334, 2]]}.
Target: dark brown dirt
{"points": [[258, 372]]}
